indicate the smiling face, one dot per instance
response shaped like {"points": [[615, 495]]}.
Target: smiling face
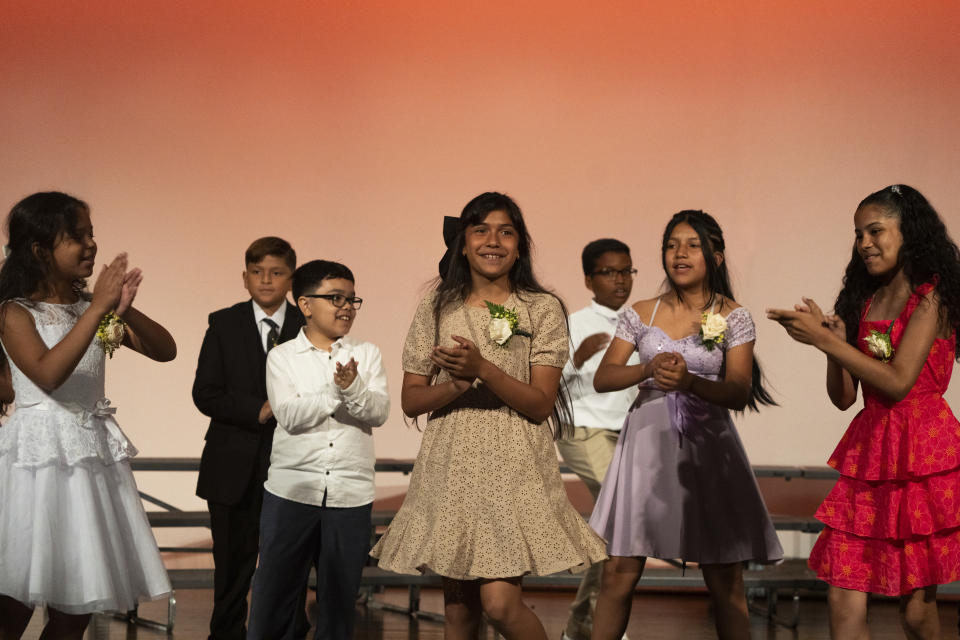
{"points": [[878, 239], [609, 285], [325, 321], [268, 282], [492, 246], [684, 259], [75, 251]]}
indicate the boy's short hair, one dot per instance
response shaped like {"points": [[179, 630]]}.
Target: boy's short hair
{"points": [[593, 251], [309, 275], [271, 246]]}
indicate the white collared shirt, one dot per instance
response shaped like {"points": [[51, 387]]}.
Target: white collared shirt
{"points": [[592, 409], [323, 442], [260, 315]]}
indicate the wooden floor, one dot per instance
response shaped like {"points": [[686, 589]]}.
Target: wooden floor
{"points": [[681, 616]]}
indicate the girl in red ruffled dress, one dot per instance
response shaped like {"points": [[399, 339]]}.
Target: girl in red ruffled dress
{"points": [[893, 518]]}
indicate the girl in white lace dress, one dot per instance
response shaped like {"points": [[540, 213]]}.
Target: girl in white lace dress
{"points": [[73, 534]]}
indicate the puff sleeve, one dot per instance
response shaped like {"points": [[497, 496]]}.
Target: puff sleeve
{"points": [[740, 328], [550, 342], [420, 340]]}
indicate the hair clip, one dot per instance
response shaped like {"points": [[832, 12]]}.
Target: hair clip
{"points": [[896, 189], [6, 251]]}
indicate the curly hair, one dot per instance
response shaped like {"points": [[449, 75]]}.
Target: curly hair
{"points": [[34, 227], [927, 255], [718, 282]]}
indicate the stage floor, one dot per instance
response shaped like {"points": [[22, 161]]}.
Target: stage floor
{"points": [[655, 616]]}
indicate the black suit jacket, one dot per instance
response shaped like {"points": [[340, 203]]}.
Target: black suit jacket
{"points": [[230, 387]]}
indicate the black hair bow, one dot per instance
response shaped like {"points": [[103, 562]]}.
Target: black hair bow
{"points": [[451, 227]]}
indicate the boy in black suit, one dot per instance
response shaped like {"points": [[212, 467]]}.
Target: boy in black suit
{"points": [[230, 388]]}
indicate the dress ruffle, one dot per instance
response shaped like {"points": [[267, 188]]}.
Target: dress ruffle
{"points": [[508, 516], [36, 437], [76, 538], [887, 567], [893, 518], [894, 510], [554, 541], [917, 437]]}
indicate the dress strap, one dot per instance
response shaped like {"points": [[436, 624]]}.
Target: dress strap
{"points": [[916, 296], [654, 313]]}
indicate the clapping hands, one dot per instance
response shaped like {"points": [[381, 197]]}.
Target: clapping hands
{"points": [[345, 374], [116, 288], [462, 361], [670, 372], [131, 282], [108, 289], [807, 323]]}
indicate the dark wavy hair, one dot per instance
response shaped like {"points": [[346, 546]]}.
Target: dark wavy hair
{"points": [[927, 255], [455, 285], [34, 227], [718, 282]]}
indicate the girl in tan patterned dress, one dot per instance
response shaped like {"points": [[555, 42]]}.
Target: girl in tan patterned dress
{"points": [[486, 504]]}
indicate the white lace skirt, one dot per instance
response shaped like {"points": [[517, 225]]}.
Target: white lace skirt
{"points": [[76, 537]]}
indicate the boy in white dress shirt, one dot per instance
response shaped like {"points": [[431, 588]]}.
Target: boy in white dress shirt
{"points": [[327, 392], [597, 417]]}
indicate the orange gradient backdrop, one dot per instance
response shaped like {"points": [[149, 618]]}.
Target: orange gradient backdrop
{"points": [[351, 128]]}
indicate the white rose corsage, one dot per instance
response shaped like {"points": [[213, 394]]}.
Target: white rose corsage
{"points": [[504, 324], [713, 329], [110, 332], [880, 344]]}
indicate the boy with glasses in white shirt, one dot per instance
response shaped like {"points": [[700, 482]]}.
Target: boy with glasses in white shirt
{"points": [[328, 391], [597, 417]]}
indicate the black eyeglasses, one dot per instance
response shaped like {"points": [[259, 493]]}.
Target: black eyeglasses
{"points": [[336, 299], [613, 273]]}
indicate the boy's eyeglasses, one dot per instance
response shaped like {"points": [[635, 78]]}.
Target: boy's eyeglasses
{"points": [[336, 299], [613, 273]]}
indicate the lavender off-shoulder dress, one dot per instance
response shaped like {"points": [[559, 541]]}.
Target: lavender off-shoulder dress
{"points": [[680, 485]]}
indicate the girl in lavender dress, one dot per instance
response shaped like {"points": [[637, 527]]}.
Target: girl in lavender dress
{"points": [[680, 484]]}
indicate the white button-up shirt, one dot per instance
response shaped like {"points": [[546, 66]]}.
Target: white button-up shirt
{"points": [[323, 442], [592, 409]]}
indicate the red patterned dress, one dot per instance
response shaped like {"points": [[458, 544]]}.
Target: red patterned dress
{"points": [[893, 518]]}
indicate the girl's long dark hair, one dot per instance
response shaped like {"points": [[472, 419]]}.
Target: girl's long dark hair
{"points": [[927, 255], [34, 226], [718, 282], [455, 285]]}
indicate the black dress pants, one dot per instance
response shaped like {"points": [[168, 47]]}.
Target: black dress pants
{"points": [[236, 536], [236, 541]]}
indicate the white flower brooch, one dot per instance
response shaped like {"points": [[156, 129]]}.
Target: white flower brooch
{"points": [[504, 324]]}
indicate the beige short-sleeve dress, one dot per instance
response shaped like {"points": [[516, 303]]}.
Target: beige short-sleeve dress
{"points": [[485, 498]]}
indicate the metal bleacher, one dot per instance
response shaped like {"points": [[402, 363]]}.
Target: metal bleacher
{"points": [[767, 581]]}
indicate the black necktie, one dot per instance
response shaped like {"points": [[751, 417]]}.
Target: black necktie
{"points": [[273, 336]]}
